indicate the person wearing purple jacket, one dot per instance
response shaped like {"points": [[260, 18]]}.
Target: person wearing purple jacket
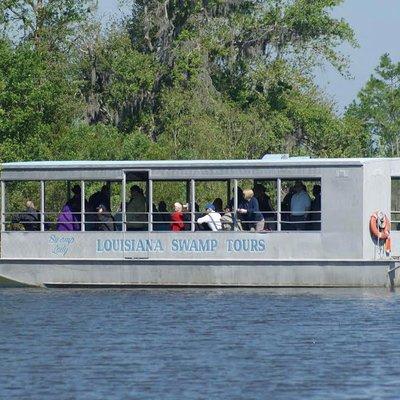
{"points": [[69, 218], [66, 220]]}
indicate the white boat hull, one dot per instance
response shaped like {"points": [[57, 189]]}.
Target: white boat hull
{"points": [[200, 273]]}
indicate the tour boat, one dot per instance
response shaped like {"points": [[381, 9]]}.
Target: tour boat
{"points": [[348, 242]]}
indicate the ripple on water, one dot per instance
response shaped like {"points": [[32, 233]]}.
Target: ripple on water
{"points": [[199, 344]]}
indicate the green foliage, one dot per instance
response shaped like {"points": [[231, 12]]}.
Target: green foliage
{"points": [[119, 78], [46, 22], [37, 99], [378, 108], [173, 80]]}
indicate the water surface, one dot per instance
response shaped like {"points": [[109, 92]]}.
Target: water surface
{"points": [[199, 344]]}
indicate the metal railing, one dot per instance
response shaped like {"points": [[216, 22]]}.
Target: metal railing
{"points": [[159, 221]]}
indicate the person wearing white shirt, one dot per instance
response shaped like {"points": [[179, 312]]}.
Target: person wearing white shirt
{"points": [[212, 219], [299, 205]]}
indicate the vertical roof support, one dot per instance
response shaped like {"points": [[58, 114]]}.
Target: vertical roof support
{"points": [[83, 206], [235, 203], [279, 205], [123, 195], [150, 204], [192, 205], [42, 203], [3, 207]]}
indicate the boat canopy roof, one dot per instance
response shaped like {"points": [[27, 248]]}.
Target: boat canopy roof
{"points": [[298, 161], [174, 169]]}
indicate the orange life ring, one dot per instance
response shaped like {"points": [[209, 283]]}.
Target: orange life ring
{"points": [[381, 232]]}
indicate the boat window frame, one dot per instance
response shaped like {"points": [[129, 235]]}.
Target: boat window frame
{"points": [[233, 184]]}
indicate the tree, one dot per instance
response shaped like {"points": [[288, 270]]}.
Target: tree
{"points": [[37, 100], [378, 108], [175, 79], [253, 58], [48, 21]]}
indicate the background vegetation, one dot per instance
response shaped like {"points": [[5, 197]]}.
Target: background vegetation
{"points": [[184, 79], [181, 79]]}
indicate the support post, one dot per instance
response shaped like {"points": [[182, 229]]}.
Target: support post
{"points": [[83, 206], [3, 207], [68, 190], [192, 205], [108, 184], [235, 203], [150, 201], [42, 205], [228, 191], [123, 195], [279, 205]]}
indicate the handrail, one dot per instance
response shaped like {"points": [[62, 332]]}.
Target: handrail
{"points": [[189, 218]]}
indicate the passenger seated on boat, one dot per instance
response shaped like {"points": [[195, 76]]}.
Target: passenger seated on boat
{"points": [[300, 203], [231, 202], [186, 216], [211, 221], [105, 221], [162, 217], [30, 219], [69, 218], [316, 209], [118, 219], [228, 221], [218, 204], [285, 209], [177, 218], [250, 212], [136, 216], [102, 197], [265, 205]]}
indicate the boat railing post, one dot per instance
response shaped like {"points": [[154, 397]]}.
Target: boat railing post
{"points": [[150, 201], [279, 205], [3, 207], [228, 191], [235, 203], [42, 203], [192, 205], [123, 195], [83, 206]]}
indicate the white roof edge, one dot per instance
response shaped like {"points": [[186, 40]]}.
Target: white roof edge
{"points": [[192, 163]]}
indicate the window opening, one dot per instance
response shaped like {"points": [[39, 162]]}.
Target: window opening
{"points": [[395, 204], [214, 211], [137, 208], [301, 204], [171, 206], [62, 205], [22, 206]]}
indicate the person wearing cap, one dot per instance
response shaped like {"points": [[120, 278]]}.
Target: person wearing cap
{"points": [[212, 219]]}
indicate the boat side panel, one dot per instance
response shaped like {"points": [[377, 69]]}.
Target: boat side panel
{"points": [[174, 246], [377, 195]]}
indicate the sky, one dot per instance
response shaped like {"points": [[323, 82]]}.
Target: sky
{"points": [[376, 24]]}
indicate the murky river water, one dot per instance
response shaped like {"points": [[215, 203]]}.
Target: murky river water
{"points": [[199, 344]]}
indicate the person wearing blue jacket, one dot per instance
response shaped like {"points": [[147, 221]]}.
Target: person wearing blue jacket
{"points": [[249, 210]]}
